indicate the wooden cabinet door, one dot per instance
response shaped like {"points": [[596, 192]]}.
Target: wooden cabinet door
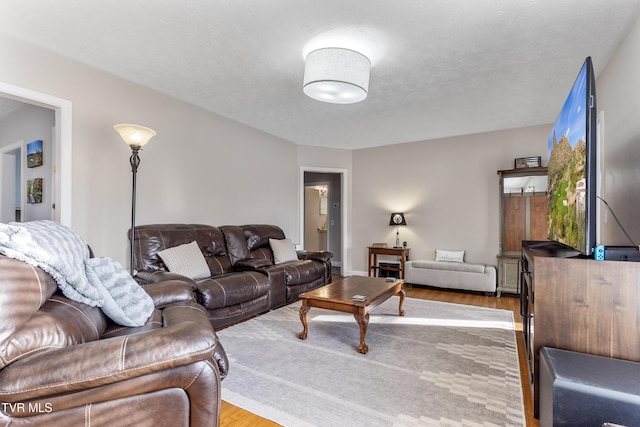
{"points": [[538, 214], [514, 223]]}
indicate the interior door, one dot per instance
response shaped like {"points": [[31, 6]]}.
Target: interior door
{"points": [[514, 223]]}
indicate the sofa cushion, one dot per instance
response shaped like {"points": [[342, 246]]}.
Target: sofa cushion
{"points": [[187, 260], [283, 250], [36, 317], [450, 256], [236, 243], [323, 256], [153, 238], [20, 282], [302, 271], [59, 323], [450, 266], [258, 235], [253, 263], [232, 289]]}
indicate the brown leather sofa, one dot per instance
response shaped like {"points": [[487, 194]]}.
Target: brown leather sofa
{"points": [[244, 280], [65, 363]]}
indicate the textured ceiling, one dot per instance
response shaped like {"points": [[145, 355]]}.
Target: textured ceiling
{"points": [[439, 68]]}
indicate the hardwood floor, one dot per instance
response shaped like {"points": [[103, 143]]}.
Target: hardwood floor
{"points": [[231, 415]]}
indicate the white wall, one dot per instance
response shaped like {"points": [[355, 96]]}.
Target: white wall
{"points": [[447, 188], [199, 168], [618, 99]]}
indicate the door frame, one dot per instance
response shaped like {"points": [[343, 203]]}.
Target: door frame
{"points": [[62, 143], [344, 198]]}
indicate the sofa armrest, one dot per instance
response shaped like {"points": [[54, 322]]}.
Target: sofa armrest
{"points": [[323, 256], [147, 276], [253, 263], [107, 361], [169, 292]]}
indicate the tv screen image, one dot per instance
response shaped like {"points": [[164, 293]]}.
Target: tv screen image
{"points": [[572, 168]]}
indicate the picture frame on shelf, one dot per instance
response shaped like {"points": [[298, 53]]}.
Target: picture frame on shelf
{"points": [[527, 162]]}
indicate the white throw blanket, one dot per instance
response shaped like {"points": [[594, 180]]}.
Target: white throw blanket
{"points": [[98, 282]]}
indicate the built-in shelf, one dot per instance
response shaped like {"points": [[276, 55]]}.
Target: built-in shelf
{"points": [[523, 216]]}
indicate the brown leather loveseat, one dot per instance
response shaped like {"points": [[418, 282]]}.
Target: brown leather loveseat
{"points": [[243, 279], [64, 363]]}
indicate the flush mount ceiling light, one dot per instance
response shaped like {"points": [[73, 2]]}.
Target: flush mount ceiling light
{"points": [[336, 75]]}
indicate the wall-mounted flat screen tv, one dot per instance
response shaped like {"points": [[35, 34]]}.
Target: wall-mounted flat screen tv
{"points": [[572, 167]]}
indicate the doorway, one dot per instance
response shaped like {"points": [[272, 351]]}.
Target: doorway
{"points": [[61, 146], [316, 223], [323, 224]]}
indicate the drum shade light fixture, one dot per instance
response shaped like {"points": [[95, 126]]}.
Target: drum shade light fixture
{"points": [[336, 75]]}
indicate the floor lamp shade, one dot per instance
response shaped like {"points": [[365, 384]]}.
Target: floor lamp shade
{"points": [[336, 75], [134, 134]]}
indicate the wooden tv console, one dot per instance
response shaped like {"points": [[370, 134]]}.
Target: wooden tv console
{"points": [[578, 304]]}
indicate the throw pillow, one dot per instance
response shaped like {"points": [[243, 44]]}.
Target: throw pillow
{"points": [[449, 256], [283, 250], [187, 260], [125, 302]]}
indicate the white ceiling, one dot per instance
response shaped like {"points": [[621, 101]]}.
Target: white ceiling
{"points": [[439, 67]]}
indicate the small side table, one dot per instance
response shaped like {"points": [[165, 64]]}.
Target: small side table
{"points": [[403, 253]]}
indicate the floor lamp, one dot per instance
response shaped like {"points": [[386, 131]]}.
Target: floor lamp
{"points": [[136, 137]]}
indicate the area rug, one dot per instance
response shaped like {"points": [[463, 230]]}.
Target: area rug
{"points": [[441, 364]]}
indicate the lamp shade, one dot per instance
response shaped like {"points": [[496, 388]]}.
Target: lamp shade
{"points": [[134, 135], [397, 218], [336, 75]]}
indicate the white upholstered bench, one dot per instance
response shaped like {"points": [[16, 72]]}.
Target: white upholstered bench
{"points": [[451, 275]]}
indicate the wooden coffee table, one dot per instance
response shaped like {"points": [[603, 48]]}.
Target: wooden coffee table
{"points": [[338, 296]]}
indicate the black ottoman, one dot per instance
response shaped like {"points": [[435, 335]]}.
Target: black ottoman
{"points": [[578, 389]]}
